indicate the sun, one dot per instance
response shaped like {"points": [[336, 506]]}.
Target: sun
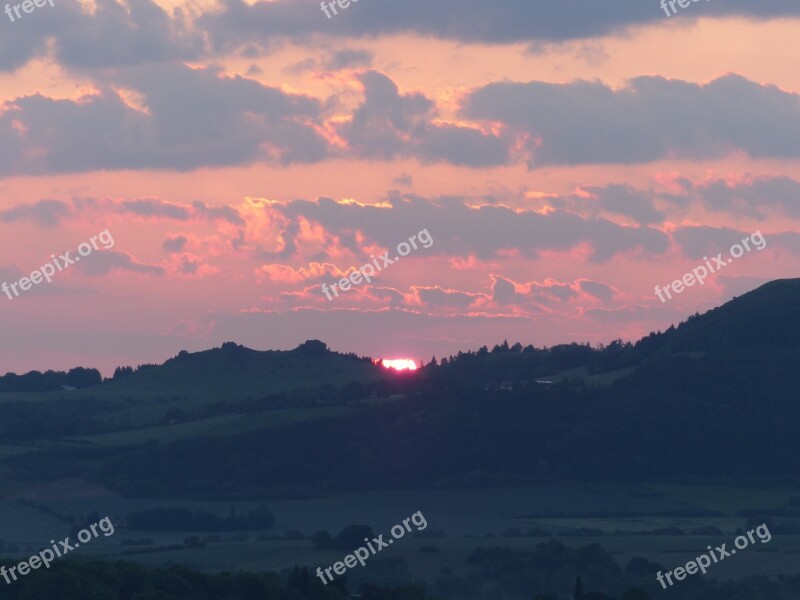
{"points": [[399, 364]]}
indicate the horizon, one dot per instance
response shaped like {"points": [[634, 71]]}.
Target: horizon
{"points": [[382, 360]]}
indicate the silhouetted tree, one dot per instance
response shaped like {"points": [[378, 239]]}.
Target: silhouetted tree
{"points": [[578, 595]]}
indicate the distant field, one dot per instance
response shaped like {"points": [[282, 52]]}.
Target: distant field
{"points": [[221, 425], [589, 377], [779, 556], [729, 499], [471, 518]]}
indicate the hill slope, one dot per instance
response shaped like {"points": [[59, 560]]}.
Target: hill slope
{"points": [[234, 371]]}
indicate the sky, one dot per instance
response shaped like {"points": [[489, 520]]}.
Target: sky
{"points": [[229, 158]]}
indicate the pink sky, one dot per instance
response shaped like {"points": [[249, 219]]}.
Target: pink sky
{"points": [[243, 154]]}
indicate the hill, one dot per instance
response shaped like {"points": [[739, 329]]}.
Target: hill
{"points": [[765, 317], [234, 371], [714, 398]]}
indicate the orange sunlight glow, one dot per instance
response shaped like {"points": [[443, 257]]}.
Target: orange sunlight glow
{"points": [[400, 364]]}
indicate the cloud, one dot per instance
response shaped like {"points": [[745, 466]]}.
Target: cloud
{"points": [[650, 119], [174, 117], [628, 202], [380, 124], [137, 32], [108, 261], [46, 213], [111, 34], [218, 213], [120, 34], [174, 244], [404, 179], [348, 59], [190, 118], [707, 241], [389, 124], [503, 290], [599, 290], [460, 229], [470, 21], [153, 207], [752, 197], [439, 297]]}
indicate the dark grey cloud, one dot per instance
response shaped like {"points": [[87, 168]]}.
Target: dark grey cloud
{"points": [[135, 32], [404, 179], [380, 124], [459, 229], [174, 243], [652, 118], [46, 213], [153, 207], [503, 290], [218, 213], [188, 265], [753, 198], [702, 241], [389, 124], [106, 261], [190, 118], [114, 34], [348, 58], [462, 146], [436, 296], [504, 22], [546, 292], [628, 202], [599, 290]]}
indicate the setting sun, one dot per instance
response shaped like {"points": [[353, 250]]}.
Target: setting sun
{"points": [[400, 364]]}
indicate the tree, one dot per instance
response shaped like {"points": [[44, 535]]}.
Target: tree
{"points": [[312, 348], [578, 595], [641, 567], [322, 540], [352, 537], [120, 372]]}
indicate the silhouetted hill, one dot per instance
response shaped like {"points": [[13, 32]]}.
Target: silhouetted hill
{"points": [[234, 370], [713, 399], [768, 316]]}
